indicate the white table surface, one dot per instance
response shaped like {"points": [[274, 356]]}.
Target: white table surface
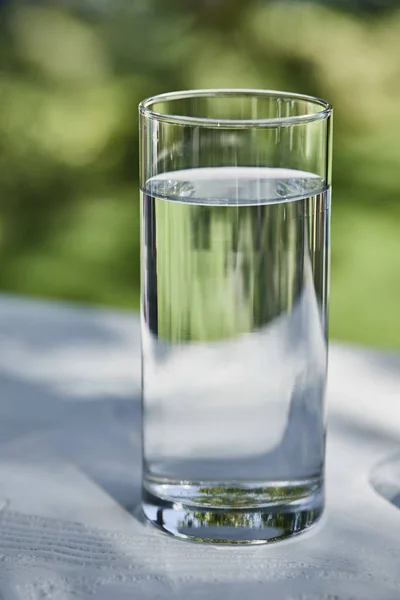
{"points": [[70, 476]]}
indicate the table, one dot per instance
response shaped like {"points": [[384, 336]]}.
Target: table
{"points": [[70, 476]]}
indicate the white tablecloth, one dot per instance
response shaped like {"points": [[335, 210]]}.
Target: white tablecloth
{"points": [[70, 477]]}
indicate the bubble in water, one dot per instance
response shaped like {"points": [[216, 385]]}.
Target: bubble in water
{"points": [[171, 187]]}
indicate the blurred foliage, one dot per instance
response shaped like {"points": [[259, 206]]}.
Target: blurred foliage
{"points": [[220, 523], [71, 76]]}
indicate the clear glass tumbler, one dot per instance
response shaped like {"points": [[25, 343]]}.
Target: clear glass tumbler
{"points": [[235, 210]]}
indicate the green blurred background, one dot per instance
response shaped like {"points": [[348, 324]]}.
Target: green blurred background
{"points": [[71, 76]]}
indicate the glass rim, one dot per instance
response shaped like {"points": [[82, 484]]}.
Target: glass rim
{"points": [[145, 109]]}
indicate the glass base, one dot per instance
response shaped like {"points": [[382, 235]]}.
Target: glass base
{"points": [[232, 514]]}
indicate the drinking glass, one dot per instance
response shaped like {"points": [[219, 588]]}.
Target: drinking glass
{"points": [[235, 209]]}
